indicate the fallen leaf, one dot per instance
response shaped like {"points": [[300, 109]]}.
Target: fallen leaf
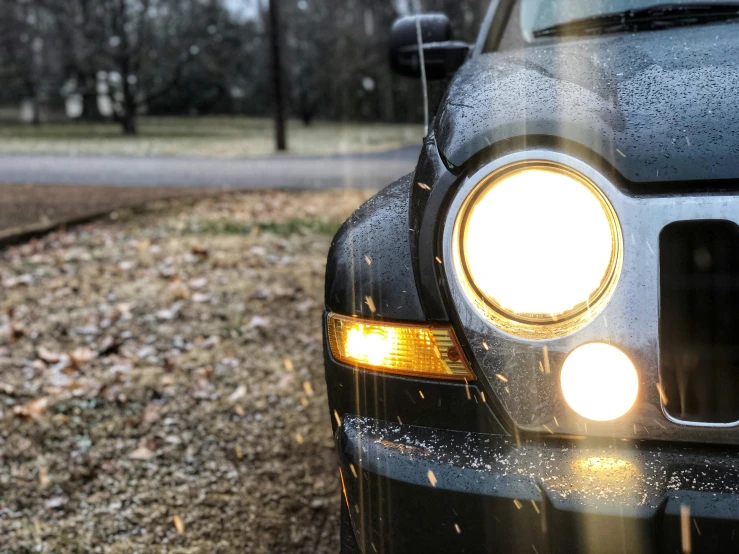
{"points": [[179, 524], [308, 388], [55, 502], [200, 297], [142, 453], [289, 364], [48, 356], [33, 410], [43, 477], [80, 356], [200, 251], [238, 394], [196, 284], [259, 322], [151, 414]]}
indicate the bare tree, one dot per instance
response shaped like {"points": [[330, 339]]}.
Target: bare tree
{"points": [[28, 51]]}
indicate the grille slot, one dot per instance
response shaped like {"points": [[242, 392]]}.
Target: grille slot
{"points": [[699, 321]]}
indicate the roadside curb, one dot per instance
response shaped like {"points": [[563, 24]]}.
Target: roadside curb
{"points": [[23, 233]]}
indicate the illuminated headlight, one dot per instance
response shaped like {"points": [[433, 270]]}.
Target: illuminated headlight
{"points": [[599, 382], [538, 248]]}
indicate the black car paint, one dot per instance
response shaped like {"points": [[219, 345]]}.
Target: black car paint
{"points": [[655, 142], [657, 106], [371, 256], [495, 494]]}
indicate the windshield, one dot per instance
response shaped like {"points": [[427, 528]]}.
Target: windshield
{"points": [[541, 14]]}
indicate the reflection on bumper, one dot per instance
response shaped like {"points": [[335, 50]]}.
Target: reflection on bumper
{"points": [[420, 489]]}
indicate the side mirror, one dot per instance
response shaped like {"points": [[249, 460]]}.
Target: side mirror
{"points": [[442, 55]]}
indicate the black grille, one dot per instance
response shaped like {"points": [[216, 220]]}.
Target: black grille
{"points": [[699, 320]]}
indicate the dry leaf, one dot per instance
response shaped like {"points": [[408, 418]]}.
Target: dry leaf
{"points": [[200, 298], [289, 364], [200, 251], [238, 394], [80, 356], [179, 524], [33, 410], [142, 453], [55, 502], [308, 388], [48, 356], [238, 452], [151, 414], [43, 477], [199, 283]]}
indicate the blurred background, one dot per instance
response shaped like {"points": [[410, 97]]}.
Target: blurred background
{"points": [[171, 175], [78, 74]]}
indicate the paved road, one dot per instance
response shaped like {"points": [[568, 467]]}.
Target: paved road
{"points": [[371, 171]]}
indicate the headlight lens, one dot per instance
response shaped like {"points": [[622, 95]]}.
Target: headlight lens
{"points": [[599, 382], [539, 248]]}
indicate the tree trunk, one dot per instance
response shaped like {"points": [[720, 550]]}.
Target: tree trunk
{"points": [[90, 108], [128, 122], [277, 87], [128, 119], [36, 117]]}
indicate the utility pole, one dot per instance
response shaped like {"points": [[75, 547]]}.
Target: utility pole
{"points": [[278, 92]]}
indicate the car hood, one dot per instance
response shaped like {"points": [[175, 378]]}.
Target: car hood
{"points": [[658, 106]]}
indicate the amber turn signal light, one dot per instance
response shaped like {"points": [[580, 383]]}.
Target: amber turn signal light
{"points": [[400, 348]]}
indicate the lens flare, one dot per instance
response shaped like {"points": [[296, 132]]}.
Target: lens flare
{"points": [[599, 382], [539, 245]]}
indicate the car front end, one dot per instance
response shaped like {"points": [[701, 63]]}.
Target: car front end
{"points": [[531, 342]]}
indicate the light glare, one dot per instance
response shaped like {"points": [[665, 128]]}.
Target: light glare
{"points": [[391, 347], [599, 382], [538, 243], [370, 345]]}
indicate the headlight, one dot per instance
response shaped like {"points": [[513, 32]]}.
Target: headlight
{"points": [[538, 247]]}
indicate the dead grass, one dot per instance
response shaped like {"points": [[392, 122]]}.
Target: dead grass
{"points": [[215, 137]]}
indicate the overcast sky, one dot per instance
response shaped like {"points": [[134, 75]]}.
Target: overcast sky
{"points": [[246, 9]]}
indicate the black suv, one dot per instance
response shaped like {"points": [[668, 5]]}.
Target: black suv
{"points": [[532, 342]]}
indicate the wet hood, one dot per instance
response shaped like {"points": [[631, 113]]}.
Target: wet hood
{"points": [[658, 106]]}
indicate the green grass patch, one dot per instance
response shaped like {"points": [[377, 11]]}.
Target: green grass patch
{"points": [[281, 229]]}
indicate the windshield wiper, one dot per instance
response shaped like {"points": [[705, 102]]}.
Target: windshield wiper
{"points": [[655, 17]]}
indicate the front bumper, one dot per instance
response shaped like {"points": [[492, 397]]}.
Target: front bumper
{"points": [[416, 489]]}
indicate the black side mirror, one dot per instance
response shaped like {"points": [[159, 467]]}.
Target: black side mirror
{"points": [[442, 54]]}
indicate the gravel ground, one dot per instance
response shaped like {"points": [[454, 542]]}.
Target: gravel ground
{"points": [[161, 384]]}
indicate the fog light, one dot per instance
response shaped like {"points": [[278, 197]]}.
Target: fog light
{"points": [[599, 382]]}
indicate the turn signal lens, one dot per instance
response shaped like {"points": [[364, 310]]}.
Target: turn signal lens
{"points": [[413, 350], [599, 382]]}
